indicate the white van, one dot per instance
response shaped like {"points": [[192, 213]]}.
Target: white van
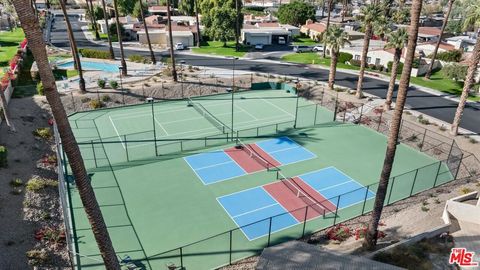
{"points": [[302, 48]]}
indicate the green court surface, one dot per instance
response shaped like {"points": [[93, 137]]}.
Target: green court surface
{"points": [[153, 203]]}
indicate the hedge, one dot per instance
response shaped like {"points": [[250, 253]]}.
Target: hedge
{"points": [[89, 53], [344, 57], [450, 56], [399, 68]]}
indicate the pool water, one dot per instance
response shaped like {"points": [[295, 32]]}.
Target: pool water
{"points": [[91, 65]]}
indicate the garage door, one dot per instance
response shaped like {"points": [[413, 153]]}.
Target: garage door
{"points": [[259, 40]]}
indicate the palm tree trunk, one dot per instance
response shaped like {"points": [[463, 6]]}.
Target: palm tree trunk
{"points": [[472, 68], [199, 37], [393, 78], [120, 42], [344, 9], [170, 35], [330, 2], [110, 47], [323, 8], [237, 26], [363, 63], [37, 45], [434, 54], [333, 70], [73, 45], [372, 229], [93, 21], [152, 56], [6, 114]]}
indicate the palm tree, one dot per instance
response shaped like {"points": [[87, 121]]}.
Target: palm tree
{"points": [[109, 37], [396, 40], [73, 45], [199, 37], [330, 3], [170, 39], [237, 26], [472, 19], [370, 13], [37, 45], [372, 229], [434, 54], [152, 56], [120, 42], [334, 39], [93, 21]]}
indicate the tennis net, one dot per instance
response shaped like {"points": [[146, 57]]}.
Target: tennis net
{"points": [[291, 184], [207, 115], [256, 156]]}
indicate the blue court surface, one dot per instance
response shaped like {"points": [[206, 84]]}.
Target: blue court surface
{"points": [[285, 150], [214, 166], [331, 182], [252, 205]]}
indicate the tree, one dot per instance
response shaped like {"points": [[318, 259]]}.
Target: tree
{"points": [[119, 36], [37, 45], [136, 11], [401, 15], [211, 20], [330, 3], [93, 20], [98, 12], [455, 71], [114, 33], [126, 6], [372, 230], [170, 39], [434, 54], [334, 39], [396, 40], [296, 13], [141, 7], [109, 36], [369, 14], [187, 7], [73, 45], [223, 24], [454, 27], [199, 35], [472, 20]]}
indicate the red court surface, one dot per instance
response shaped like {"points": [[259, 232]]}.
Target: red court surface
{"points": [[250, 165], [296, 205]]}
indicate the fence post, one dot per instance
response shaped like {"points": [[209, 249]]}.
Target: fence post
{"points": [[380, 121], [126, 146], [315, 116], [231, 244], [73, 101], [94, 157], [251, 80], [450, 151], [321, 97], [414, 180], [336, 210], [390, 193], [335, 111], [365, 199], [296, 112], [269, 232], [361, 114], [305, 221], [181, 146], [458, 168], [181, 258], [423, 139], [438, 171]]}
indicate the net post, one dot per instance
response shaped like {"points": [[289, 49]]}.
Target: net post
{"points": [[390, 193], [296, 110], [181, 146], [126, 146], [154, 128], [269, 231], [181, 258], [336, 210], [231, 244], [438, 171], [276, 128], [94, 157], [206, 141], [365, 199], [315, 115], [305, 221], [414, 180]]}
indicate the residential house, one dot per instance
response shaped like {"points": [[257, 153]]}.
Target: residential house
{"points": [[426, 34], [161, 10], [464, 43], [427, 48], [127, 22], [268, 33], [185, 34], [253, 19], [313, 30]]}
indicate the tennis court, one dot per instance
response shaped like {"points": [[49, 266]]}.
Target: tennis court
{"points": [[287, 176]]}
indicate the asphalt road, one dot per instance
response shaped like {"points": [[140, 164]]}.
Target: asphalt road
{"points": [[421, 101]]}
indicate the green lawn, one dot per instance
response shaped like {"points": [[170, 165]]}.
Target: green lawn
{"points": [[217, 48], [315, 59], [304, 41], [9, 42]]}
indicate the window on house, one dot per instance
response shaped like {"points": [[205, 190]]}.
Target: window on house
{"points": [[377, 61], [369, 59], [357, 57]]}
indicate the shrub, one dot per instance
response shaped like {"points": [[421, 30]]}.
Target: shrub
{"points": [[113, 84], [449, 56], [355, 63], [37, 184], [40, 89], [372, 66], [17, 182], [455, 71], [399, 68], [465, 190], [344, 57], [339, 233], [44, 133], [3, 156], [361, 232], [37, 257], [416, 63], [95, 104], [90, 53], [101, 83], [136, 58], [85, 99], [379, 67], [105, 98]]}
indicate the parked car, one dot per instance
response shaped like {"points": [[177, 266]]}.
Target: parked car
{"points": [[179, 46], [282, 41], [258, 46], [318, 48], [302, 48]]}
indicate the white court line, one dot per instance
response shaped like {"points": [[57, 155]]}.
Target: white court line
{"points": [[249, 114], [116, 131], [329, 187], [283, 149], [255, 210], [214, 165], [161, 126], [266, 101]]}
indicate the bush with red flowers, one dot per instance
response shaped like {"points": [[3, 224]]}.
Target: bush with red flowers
{"points": [[24, 43], [51, 235], [339, 233], [361, 232]]}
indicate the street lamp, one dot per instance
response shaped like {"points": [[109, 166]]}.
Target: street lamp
{"points": [[181, 74], [233, 88], [120, 68]]}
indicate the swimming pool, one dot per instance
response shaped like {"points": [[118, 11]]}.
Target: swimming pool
{"points": [[86, 65]]}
